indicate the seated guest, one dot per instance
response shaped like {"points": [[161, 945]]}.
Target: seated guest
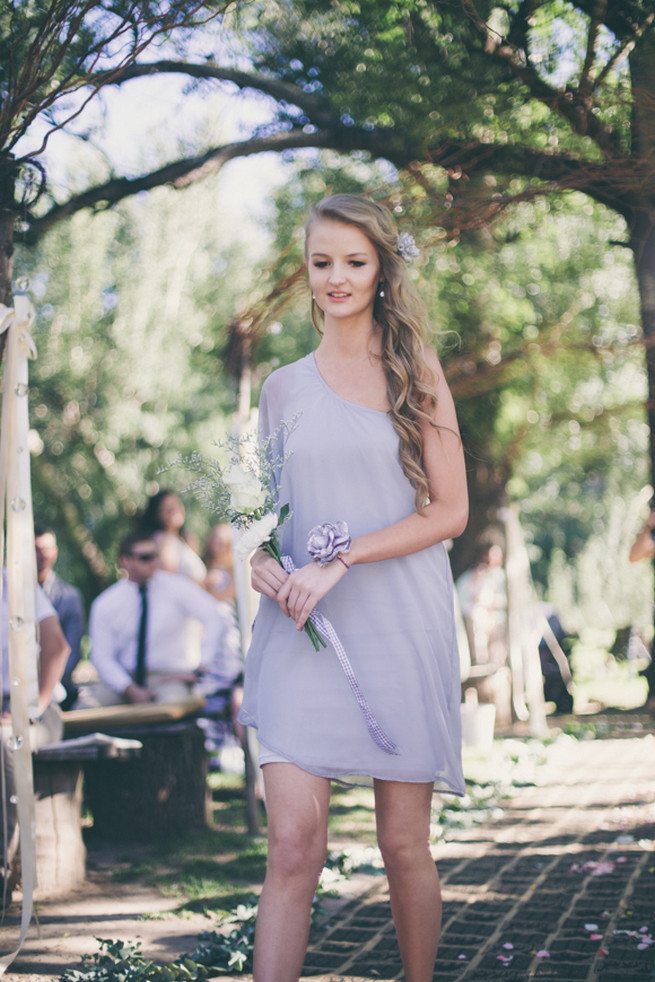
{"points": [[67, 602], [138, 630], [46, 724], [222, 685]]}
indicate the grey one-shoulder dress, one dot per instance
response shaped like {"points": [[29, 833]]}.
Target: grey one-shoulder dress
{"points": [[395, 618]]}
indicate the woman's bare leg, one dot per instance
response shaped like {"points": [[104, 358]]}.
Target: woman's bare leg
{"points": [[403, 823], [297, 806]]}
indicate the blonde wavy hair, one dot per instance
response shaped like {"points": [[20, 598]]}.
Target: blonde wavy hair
{"points": [[400, 314]]}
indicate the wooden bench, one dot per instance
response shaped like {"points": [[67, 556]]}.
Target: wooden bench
{"points": [[58, 774], [164, 790]]}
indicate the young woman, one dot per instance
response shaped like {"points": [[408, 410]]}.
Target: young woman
{"points": [[219, 561], [163, 518], [375, 446]]}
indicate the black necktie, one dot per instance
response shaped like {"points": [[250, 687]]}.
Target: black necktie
{"points": [[140, 673]]}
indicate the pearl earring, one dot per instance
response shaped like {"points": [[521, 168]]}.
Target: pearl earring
{"points": [[381, 292]]}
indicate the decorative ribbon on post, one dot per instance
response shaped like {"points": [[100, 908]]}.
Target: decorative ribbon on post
{"points": [[16, 503], [325, 628]]}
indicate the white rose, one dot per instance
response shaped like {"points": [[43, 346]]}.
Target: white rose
{"points": [[246, 491], [255, 535]]}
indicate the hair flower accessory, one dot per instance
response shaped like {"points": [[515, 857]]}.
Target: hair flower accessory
{"points": [[325, 542], [407, 247]]}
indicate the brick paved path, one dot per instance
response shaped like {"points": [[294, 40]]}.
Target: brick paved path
{"points": [[568, 871]]}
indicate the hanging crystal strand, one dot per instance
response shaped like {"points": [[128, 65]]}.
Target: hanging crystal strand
{"points": [[16, 498]]}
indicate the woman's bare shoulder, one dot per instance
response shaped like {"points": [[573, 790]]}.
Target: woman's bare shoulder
{"points": [[432, 361]]}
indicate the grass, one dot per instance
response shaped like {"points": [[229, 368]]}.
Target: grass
{"points": [[214, 870], [208, 872], [603, 681]]}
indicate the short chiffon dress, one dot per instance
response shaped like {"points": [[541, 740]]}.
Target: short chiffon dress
{"points": [[394, 618]]}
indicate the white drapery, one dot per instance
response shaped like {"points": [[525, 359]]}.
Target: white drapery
{"points": [[16, 499]]}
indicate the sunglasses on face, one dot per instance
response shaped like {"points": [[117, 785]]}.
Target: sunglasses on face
{"points": [[144, 557]]}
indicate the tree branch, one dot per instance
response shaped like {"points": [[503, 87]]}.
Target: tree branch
{"points": [[586, 85], [33, 89], [624, 18], [314, 106], [567, 103], [616, 184], [180, 174]]}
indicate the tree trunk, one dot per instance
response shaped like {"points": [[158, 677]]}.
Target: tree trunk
{"points": [[641, 214], [643, 246], [486, 487]]}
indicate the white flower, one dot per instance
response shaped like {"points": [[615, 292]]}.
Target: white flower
{"points": [[246, 491], [256, 534]]}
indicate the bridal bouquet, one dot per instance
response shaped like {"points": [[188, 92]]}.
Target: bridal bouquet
{"points": [[244, 492]]}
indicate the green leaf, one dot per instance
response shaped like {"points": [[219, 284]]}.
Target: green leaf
{"points": [[284, 514]]}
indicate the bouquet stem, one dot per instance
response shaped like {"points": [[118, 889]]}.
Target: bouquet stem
{"points": [[273, 549]]}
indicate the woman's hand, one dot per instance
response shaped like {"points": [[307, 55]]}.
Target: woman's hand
{"points": [[643, 546], [267, 575], [305, 587]]}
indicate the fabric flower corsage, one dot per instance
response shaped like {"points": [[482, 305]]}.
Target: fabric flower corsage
{"points": [[325, 542]]}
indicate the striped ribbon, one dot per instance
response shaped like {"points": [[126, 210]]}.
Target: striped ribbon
{"points": [[326, 630]]}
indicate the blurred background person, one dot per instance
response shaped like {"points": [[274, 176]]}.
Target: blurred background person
{"points": [[643, 547], [555, 648], [46, 724], [66, 600], [482, 593], [163, 519], [219, 561], [221, 683], [138, 632]]}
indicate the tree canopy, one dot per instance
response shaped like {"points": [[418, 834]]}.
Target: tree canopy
{"points": [[478, 104], [476, 109], [552, 91], [54, 58]]}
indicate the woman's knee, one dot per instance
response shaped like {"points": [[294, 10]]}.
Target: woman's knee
{"points": [[294, 851], [403, 822], [297, 807], [402, 848]]}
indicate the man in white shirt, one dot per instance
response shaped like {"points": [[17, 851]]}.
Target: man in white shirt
{"points": [[174, 606], [47, 726]]}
